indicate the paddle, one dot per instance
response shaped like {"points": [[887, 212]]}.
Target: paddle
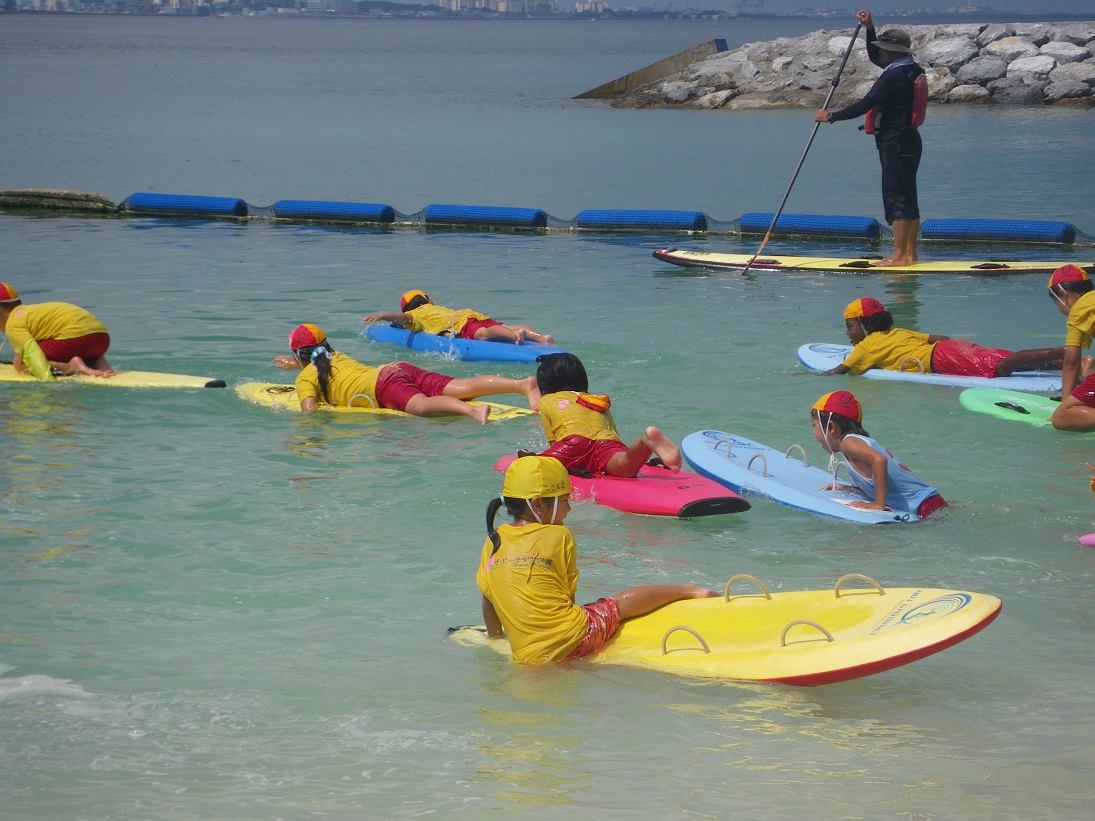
{"points": [[787, 193]]}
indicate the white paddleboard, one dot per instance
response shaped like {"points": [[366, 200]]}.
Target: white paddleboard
{"points": [[823, 356], [752, 468]]}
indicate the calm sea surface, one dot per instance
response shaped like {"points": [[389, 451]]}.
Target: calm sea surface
{"points": [[209, 610]]}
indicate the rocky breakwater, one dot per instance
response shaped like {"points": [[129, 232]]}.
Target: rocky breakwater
{"points": [[1012, 64]]}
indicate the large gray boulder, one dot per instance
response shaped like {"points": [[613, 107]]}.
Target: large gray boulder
{"points": [[950, 52], [1011, 48], [1065, 52], [1037, 67], [968, 94], [983, 70], [1013, 91], [1066, 90], [1079, 34], [1075, 72], [993, 32]]}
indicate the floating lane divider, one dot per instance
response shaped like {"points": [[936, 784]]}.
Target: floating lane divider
{"points": [[1063, 233], [813, 225], [321, 211], [603, 220], [171, 204], [493, 217], [485, 216]]}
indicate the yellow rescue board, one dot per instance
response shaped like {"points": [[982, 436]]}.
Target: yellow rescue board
{"points": [[788, 262], [805, 638], [284, 397], [122, 379]]}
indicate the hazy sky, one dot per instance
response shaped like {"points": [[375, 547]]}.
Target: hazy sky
{"points": [[1082, 9]]}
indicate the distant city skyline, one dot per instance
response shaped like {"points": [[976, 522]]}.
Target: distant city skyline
{"points": [[1081, 8]]}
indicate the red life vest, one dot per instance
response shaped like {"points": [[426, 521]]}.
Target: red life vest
{"points": [[919, 109]]}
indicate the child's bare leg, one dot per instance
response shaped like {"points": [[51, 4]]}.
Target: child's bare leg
{"points": [[513, 333], [638, 601], [1073, 415], [422, 405], [627, 463], [472, 387], [1034, 359]]}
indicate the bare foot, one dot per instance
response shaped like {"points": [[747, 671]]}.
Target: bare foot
{"points": [[519, 336], [481, 414], [532, 391], [890, 262], [669, 453]]}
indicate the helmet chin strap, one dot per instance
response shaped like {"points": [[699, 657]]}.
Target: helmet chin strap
{"points": [[554, 509]]}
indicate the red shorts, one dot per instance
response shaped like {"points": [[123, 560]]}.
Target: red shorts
{"points": [[930, 505], [1085, 391], [602, 619], [91, 346], [473, 325], [401, 382], [581, 453], [960, 357]]}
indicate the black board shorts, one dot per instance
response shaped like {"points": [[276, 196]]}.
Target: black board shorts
{"points": [[899, 153]]}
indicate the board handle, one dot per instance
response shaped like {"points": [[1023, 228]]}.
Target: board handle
{"points": [[719, 442], [684, 629], [806, 622], [364, 396], [801, 450], [763, 463], [745, 577], [860, 577], [912, 359]]}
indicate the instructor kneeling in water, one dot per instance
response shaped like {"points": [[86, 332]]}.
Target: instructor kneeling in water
{"points": [[336, 379]]}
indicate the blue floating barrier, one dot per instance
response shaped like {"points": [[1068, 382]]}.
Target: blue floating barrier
{"points": [[334, 211], [813, 225], [607, 220], [186, 204], [485, 215], [988, 229]]}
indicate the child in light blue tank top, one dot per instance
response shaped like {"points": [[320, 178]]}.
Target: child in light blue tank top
{"points": [[887, 484]]}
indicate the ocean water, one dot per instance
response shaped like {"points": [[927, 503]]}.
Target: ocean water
{"points": [[212, 610]]}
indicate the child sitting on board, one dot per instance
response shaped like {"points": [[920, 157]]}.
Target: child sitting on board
{"points": [[838, 419], [1072, 290], [877, 344], [579, 426], [336, 379], [418, 313], [528, 573]]}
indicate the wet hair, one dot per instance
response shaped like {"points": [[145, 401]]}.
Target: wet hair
{"points": [[561, 372], [320, 356], [517, 508], [417, 302], [844, 424], [882, 321], [1081, 286]]}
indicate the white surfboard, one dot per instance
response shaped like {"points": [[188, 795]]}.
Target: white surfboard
{"points": [[823, 356]]}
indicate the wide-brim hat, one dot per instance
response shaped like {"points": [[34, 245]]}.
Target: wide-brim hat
{"points": [[894, 40]]}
